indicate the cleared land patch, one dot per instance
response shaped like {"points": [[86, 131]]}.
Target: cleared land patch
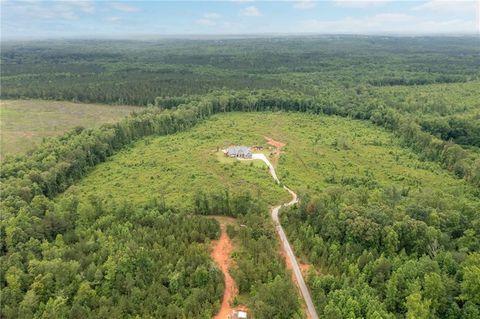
{"points": [[319, 151], [24, 123]]}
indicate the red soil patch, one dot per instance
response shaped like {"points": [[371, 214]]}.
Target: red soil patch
{"points": [[222, 248], [278, 145], [304, 267], [278, 148]]}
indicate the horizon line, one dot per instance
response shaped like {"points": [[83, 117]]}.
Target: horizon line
{"points": [[203, 36]]}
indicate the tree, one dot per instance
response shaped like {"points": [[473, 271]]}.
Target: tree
{"points": [[275, 300], [471, 279], [417, 308]]}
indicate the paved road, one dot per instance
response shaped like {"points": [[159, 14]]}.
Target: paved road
{"points": [[286, 245]]}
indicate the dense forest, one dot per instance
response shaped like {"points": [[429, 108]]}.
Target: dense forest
{"points": [[136, 72], [385, 254], [382, 250]]}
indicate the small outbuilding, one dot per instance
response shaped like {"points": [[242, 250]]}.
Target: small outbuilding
{"points": [[238, 151], [239, 315]]}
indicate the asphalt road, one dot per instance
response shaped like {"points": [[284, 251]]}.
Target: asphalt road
{"points": [[285, 244]]}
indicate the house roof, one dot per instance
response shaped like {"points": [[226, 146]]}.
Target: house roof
{"points": [[238, 150], [242, 315]]}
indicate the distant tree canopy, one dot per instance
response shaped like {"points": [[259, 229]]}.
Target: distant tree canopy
{"points": [[136, 72]]}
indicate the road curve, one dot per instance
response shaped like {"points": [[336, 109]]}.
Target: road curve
{"points": [[286, 245]]}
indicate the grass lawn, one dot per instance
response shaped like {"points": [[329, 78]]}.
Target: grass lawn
{"points": [[24, 123]]}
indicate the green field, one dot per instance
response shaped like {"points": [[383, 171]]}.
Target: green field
{"points": [[174, 168], [25, 123], [320, 150]]}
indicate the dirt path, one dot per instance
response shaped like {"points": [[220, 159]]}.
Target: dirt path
{"points": [[221, 251]]}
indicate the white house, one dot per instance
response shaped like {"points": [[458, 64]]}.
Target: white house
{"points": [[238, 151]]}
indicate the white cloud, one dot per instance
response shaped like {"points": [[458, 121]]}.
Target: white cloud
{"points": [[124, 7], [250, 11], [113, 19], [66, 10], [206, 22], [388, 23], [209, 19], [212, 15], [459, 6], [360, 3], [304, 5]]}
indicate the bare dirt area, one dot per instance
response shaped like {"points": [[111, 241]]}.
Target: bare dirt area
{"points": [[278, 145], [278, 148], [221, 251], [306, 267]]}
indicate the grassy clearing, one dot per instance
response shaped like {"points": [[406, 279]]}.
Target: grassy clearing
{"points": [[174, 168], [24, 123], [319, 151]]}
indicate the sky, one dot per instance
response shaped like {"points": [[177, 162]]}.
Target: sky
{"points": [[36, 19]]}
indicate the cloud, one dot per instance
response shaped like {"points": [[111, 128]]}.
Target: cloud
{"points": [[446, 6], [359, 3], [113, 19], [250, 11], [124, 7], [206, 22], [304, 5], [209, 19], [388, 23], [212, 15], [66, 10]]}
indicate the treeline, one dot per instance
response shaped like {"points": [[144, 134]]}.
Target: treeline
{"points": [[384, 251], [464, 131], [141, 87], [419, 80], [224, 203]]}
